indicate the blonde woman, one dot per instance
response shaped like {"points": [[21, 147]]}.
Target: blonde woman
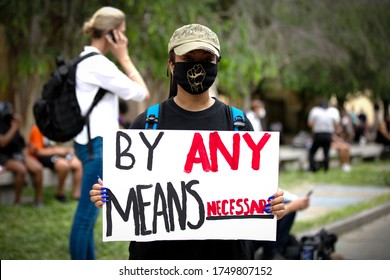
{"points": [[106, 29]]}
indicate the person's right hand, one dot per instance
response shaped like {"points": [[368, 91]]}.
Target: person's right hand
{"points": [[60, 150], [16, 121], [98, 194], [298, 204], [119, 48]]}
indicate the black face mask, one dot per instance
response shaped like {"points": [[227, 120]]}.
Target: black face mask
{"points": [[195, 77]]}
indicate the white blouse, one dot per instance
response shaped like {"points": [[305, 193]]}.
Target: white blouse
{"points": [[98, 71]]}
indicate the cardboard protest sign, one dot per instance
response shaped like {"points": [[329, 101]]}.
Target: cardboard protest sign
{"points": [[178, 185]]}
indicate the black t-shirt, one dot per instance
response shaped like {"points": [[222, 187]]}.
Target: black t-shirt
{"points": [[217, 118], [16, 145]]}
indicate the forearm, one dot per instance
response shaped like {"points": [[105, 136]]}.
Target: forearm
{"points": [[132, 72], [7, 137], [50, 151], [290, 207], [297, 205]]}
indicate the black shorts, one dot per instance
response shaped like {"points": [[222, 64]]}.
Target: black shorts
{"points": [[48, 161], [5, 158]]}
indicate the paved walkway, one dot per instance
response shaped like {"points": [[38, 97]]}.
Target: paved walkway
{"points": [[326, 198], [363, 236], [367, 242]]}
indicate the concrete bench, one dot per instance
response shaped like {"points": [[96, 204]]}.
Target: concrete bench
{"points": [[292, 158], [7, 184], [368, 151]]}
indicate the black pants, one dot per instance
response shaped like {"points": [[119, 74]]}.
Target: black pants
{"points": [[320, 140]]}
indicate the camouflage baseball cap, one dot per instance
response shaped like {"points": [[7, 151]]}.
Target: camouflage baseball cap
{"points": [[194, 37]]}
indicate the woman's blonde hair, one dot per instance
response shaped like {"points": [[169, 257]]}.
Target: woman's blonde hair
{"points": [[105, 18]]}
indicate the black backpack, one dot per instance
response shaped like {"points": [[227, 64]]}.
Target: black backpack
{"points": [[319, 246], [57, 113]]}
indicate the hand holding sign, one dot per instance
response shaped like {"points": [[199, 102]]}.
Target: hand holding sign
{"points": [[276, 204], [98, 193]]}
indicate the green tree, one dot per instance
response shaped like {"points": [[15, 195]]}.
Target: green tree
{"points": [[38, 31], [332, 47], [309, 46]]}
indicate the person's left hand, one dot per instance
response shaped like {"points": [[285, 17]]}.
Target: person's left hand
{"points": [[276, 204], [98, 194]]}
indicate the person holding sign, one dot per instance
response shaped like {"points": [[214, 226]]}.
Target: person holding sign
{"points": [[194, 53], [106, 30]]}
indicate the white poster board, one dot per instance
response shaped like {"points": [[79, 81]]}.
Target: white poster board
{"points": [[178, 185]]}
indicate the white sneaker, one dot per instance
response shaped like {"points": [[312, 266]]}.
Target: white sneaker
{"points": [[346, 168]]}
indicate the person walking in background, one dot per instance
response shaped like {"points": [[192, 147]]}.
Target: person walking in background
{"points": [[14, 156], [322, 120], [106, 29], [256, 114], [60, 159], [193, 47]]}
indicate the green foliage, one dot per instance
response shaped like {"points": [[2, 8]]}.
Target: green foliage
{"points": [[335, 46], [363, 174], [329, 47], [31, 233]]}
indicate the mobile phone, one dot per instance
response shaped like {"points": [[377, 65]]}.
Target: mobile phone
{"points": [[111, 33], [309, 193]]}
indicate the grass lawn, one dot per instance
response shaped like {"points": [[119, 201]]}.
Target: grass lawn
{"points": [[28, 233]]}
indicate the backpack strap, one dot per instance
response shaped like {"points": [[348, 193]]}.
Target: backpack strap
{"points": [[99, 95], [74, 62], [152, 117], [82, 57], [238, 118]]}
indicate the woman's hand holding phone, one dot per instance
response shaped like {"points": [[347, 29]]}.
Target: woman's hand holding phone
{"points": [[117, 41], [112, 35]]}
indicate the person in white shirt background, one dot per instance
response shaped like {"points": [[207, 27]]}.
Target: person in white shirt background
{"points": [[323, 121], [92, 73], [256, 113]]}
